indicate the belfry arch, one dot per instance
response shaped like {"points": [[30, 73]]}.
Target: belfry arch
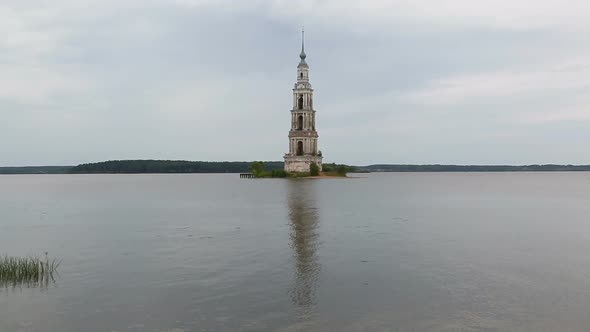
{"points": [[300, 148]]}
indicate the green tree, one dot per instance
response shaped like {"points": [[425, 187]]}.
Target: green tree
{"points": [[314, 169], [257, 168], [341, 170]]}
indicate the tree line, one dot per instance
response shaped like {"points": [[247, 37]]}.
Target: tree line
{"points": [[473, 168], [169, 166], [182, 166]]}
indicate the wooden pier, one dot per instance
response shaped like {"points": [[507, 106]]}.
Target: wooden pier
{"points": [[247, 176]]}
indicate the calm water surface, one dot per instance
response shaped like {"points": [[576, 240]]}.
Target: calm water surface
{"points": [[387, 252]]}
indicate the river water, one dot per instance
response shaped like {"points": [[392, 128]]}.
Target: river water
{"points": [[382, 252]]}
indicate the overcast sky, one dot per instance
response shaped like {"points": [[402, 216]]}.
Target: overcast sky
{"points": [[399, 81]]}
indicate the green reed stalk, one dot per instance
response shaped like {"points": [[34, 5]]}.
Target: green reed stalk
{"points": [[27, 271]]}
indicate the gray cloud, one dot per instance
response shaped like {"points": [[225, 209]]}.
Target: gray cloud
{"points": [[396, 81]]}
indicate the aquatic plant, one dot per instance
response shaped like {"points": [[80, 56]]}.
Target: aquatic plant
{"points": [[27, 271]]}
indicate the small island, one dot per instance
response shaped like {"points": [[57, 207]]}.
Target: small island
{"points": [[258, 170]]}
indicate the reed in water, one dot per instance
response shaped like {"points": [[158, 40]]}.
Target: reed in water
{"points": [[27, 271]]}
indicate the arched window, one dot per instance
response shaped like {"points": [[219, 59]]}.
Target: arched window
{"points": [[300, 122], [301, 75], [300, 102], [300, 148]]}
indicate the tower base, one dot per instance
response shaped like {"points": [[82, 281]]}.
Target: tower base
{"points": [[301, 164]]}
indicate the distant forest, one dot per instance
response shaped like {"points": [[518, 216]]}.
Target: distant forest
{"points": [[170, 166], [36, 170], [181, 166], [473, 168]]}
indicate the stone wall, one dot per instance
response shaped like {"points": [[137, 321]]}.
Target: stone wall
{"points": [[301, 164]]}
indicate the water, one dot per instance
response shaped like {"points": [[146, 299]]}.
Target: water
{"points": [[386, 252]]}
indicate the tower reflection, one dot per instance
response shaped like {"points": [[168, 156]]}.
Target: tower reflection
{"points": [[304, 217]]}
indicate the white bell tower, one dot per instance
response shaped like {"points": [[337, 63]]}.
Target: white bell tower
{"points": [[303, 137]]}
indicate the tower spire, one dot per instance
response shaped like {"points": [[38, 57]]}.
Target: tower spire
{"points": [[302, 56], [302, 39]]}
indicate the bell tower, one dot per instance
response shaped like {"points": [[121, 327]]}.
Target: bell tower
{"points": [[303, 137]]}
